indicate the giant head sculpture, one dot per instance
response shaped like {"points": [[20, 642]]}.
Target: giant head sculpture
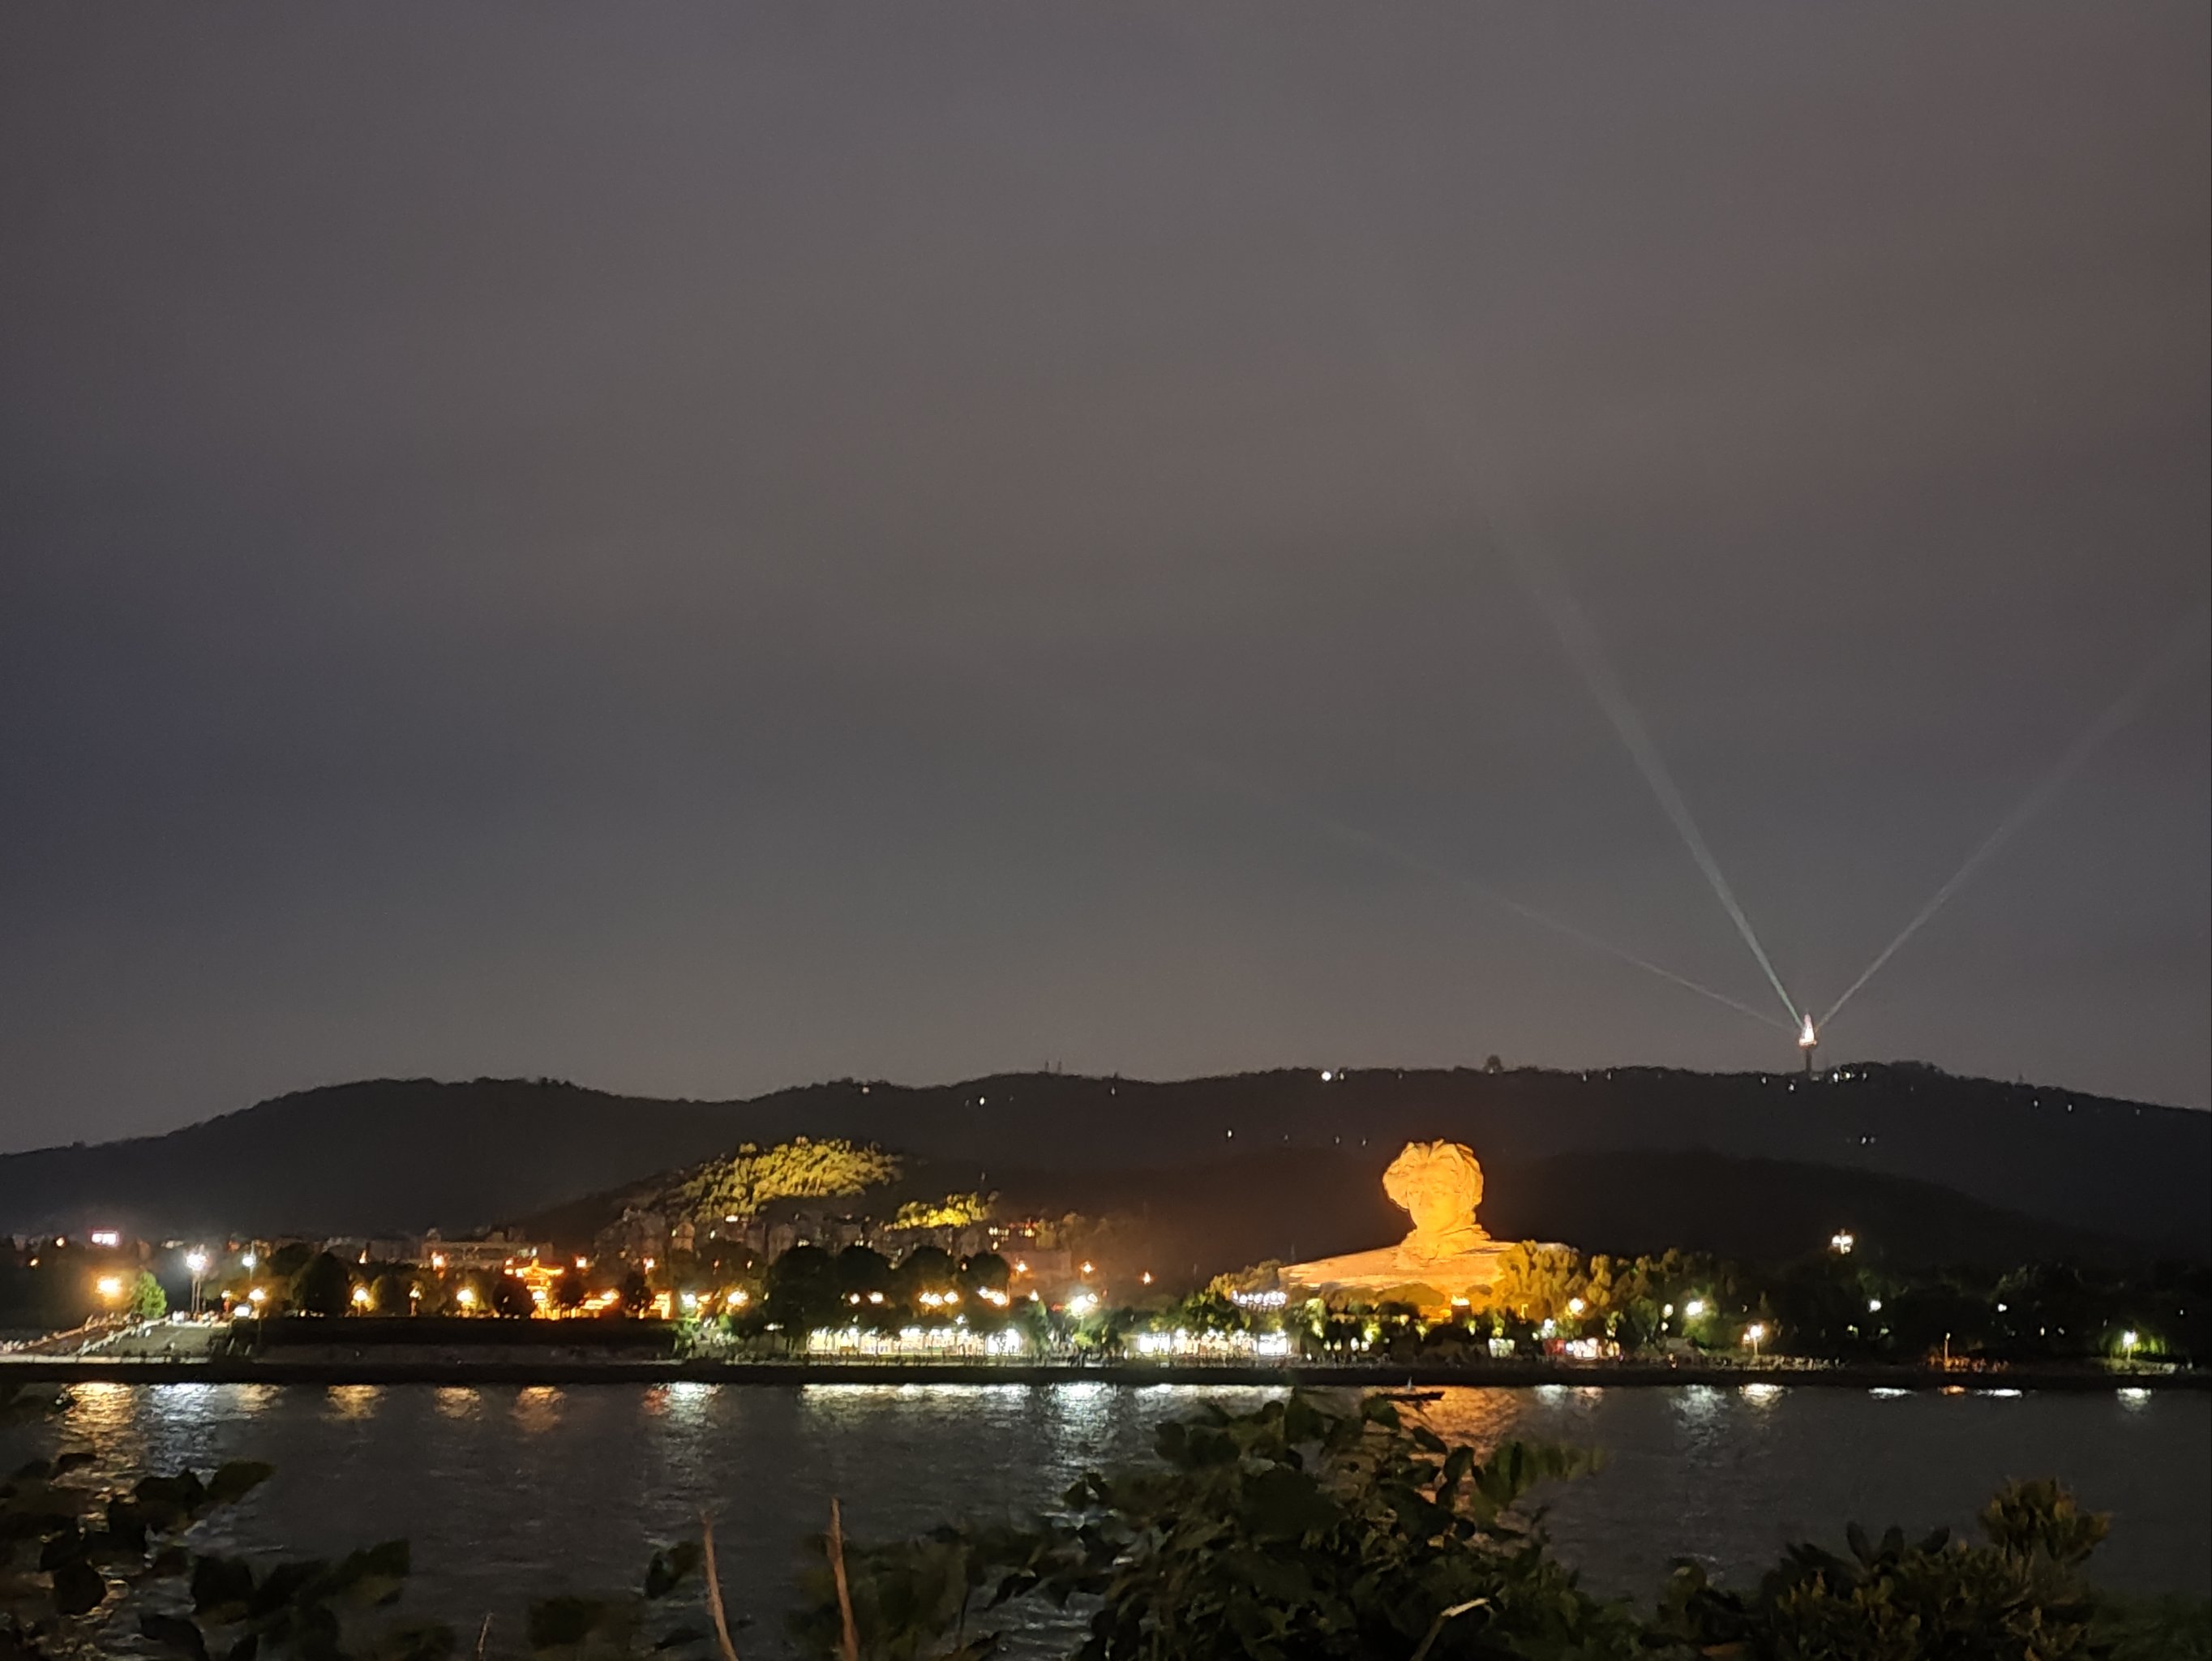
{"points": [[1440, 1184]]}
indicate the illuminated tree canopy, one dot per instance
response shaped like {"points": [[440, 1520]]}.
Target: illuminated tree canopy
{"points": [[739, 1183], [953, 1211]]}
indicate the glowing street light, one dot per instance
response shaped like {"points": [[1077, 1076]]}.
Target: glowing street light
{"points": [[197, 1262], [109, 1286], [1754, 1335], [1694, 1308], [1841, 1242], [2127, 1343]]}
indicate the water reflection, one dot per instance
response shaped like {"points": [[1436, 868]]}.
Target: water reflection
{"points": [[354, 1400], [458, 1401], [537, 1408], [507, 1491]]}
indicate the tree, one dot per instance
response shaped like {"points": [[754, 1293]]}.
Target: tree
{"points": [[289, 1259], [862, 1270], [391, 1292], [324, 1287], [510, 1297], [801, 1292], [148, 1301], [987, 1271], [636, 1293], [740, 1184], [1293, 1529], [953, 1211], [2021, 1597], [926, 1269]]}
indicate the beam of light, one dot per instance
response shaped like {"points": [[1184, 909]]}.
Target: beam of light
{"points": [[1409, 346], [1374, 844], [1482, 890], [1512, 536], [2039, 796]]}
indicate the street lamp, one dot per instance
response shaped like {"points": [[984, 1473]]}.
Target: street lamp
{"points": [[1753, 1335], [197, 1262]]}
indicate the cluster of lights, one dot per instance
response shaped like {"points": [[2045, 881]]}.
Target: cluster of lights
{"points": [[956, 1340], [1258, 1300], [1271, 1345]]}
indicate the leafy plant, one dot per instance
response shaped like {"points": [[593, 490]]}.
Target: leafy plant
{"points": [[2021, 1597], [572, 1626], [1293, 1530]]}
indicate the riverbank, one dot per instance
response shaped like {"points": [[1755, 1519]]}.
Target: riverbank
{"points": [[328, 1368]]}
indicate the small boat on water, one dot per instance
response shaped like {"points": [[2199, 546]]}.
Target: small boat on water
{"points": [[1409, 1395]]}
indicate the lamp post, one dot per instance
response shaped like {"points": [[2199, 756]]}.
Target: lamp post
{"points": [[197, 1262]]}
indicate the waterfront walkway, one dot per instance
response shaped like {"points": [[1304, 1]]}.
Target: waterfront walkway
{"points": [[329, 1368]]}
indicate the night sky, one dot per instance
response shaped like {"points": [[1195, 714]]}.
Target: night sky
{"points": [[694, 548]]}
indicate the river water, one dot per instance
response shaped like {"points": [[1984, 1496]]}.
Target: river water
{"points": [[507, 1492]]}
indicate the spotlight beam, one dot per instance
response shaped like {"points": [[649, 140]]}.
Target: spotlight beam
{"points": [[2039, 796], [1466, 885]]}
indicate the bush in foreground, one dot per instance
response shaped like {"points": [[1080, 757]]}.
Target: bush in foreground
{"points": [[1301, 1531]]}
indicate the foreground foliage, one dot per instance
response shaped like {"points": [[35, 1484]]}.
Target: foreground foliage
{"points": [[1298, 1532], [85, 1561]]}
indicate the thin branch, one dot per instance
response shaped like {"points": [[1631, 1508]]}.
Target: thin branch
{"points": [[714, 1588], [852, 1632], [1436, 1626]]}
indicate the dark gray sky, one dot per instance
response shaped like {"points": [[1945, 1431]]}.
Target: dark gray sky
{"points": [[698, 548]]}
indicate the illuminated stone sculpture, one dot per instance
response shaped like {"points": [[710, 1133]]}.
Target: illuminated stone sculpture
{"points": [[1440, 1184]]}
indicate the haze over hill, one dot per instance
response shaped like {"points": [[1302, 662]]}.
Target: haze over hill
{"points": [[399, 1154]]}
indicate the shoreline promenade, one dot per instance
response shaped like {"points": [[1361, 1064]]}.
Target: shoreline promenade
{"points": [[327, 1369]]}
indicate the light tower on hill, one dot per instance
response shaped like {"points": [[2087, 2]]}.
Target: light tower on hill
{"points": [[1807, 1042]]}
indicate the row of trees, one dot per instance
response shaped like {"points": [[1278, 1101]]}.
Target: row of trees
{"points": [[1833, 1306]]}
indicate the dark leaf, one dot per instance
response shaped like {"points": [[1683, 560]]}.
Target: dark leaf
{"points": [[670, 1568], [558, 1620], [234, 1480], [78, 1587], [221, 1583], [174, 1632]]}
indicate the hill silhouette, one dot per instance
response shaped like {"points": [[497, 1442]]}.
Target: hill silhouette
{"points": [[1198, 1218], [403, 1154]]}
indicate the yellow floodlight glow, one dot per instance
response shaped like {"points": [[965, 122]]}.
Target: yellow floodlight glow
{"points": [[360, 1297], [110, 1287]]}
